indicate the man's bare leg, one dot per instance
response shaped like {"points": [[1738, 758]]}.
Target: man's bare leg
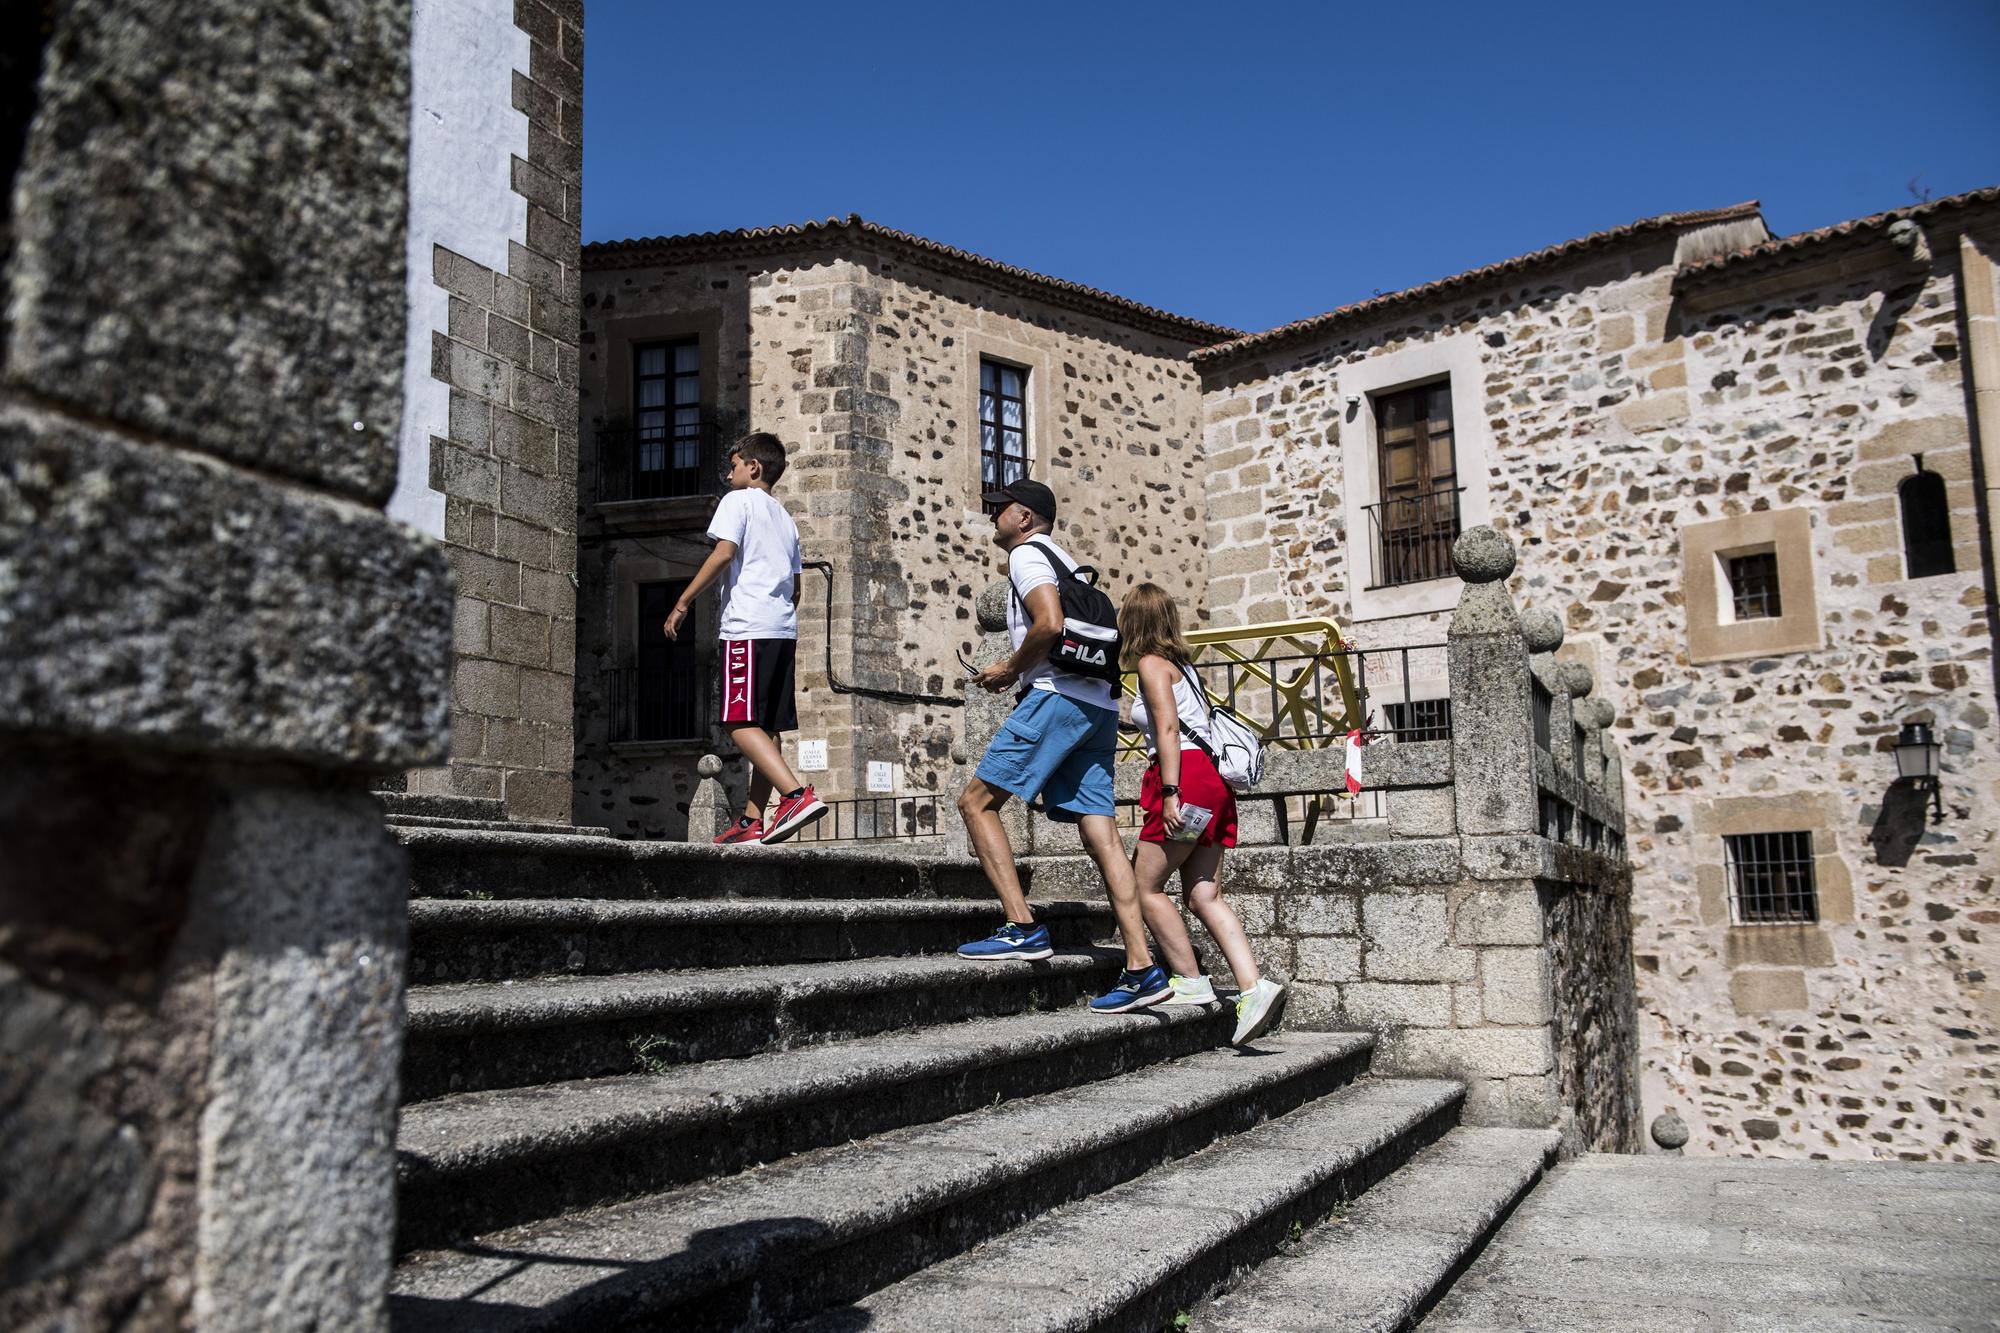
{"points": [[767, 762], [979, 806], [1100, 839]]}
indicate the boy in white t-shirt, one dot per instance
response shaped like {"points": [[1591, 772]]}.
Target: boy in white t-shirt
{"points": [[757, 557]]}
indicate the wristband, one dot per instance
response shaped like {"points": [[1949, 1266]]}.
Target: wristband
{"points": [[1170, 789]]}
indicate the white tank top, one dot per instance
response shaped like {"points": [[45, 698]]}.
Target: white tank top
{"points": [[1193, 710]]}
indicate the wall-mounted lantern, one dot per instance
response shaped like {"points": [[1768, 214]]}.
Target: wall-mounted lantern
{"points": [[1917, 763]]}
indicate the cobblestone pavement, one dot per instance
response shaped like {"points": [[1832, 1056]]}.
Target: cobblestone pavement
{"points": [[1613, 1243]]}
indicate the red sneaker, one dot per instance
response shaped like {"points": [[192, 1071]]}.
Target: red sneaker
{"points": [[793, 813], [738, 831]]}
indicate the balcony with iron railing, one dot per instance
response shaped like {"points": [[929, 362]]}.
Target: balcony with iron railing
{"points": [[657, 702], [1412, 535], [664, 462]]}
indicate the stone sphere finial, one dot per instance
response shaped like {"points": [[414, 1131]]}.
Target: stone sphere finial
{"points": [[1599, 713], [1542, 628], [1482, 555], [1670, 1131], [1578, 679], [709, 766], [992, 608]]}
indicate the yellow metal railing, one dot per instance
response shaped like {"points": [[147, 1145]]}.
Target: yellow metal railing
{"points": [[1274, 681]]}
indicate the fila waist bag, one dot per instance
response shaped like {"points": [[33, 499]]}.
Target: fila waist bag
{"points": [[1089, 642]]}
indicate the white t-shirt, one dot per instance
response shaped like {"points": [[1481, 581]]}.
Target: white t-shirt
{"points": [[1028, 568], [757, 590]]}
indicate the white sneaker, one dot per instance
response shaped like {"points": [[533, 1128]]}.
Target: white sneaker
{"points": [[1258, 1010], [1190, 990]]}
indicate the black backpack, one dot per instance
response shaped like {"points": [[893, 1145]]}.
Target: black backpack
{"points": [[1089, 644]]}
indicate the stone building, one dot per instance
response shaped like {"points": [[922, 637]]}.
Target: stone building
{"points": [[1743, 465], [1746, 467], [870, 352]]}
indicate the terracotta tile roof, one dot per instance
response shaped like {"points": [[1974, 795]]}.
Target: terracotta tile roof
{"points": [[1301, 330], [754, 241], [1805, 245]]}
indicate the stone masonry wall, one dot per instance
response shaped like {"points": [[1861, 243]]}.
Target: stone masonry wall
{"points": [[211, 640], [1616, 412], [868, 368], [508, 465]]}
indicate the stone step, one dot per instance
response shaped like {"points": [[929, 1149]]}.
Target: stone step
{"points": [[753, 1250], [1133, 1256], [1380, 1264], [477, 1161], [494, 826], [477, 864], [402, 803], [507, 1034], [453, 941]]}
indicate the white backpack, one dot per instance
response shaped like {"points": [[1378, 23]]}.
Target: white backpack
{"points": [[1233, 747]]}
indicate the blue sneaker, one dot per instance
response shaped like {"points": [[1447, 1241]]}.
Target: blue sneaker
{"points": [[1135, 990], [1011, 941]]}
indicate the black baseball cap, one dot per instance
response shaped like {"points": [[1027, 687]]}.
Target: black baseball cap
{"points": [[1033, 494]]}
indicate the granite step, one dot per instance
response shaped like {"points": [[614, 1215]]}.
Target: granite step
{"points": [[397, 803], [456, 941], [752, 1251], [470, 1036], [494, 825], [477, 864], [1132, 1257], [476, 1161], [1382, 1262]]}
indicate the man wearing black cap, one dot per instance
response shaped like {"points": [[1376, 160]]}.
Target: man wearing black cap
{"points": [[1058, 744]]}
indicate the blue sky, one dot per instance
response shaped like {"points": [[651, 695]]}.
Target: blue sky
{"points": [[1256, 164]]}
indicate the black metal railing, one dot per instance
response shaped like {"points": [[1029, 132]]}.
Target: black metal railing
{"points": [[878, 819], [1418, 720], [658, 703], [1413, 535], [659, 462]]}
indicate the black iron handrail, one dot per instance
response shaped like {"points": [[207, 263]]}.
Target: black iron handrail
{"points": [[659, 462], [1412, 536], [657, 703]]}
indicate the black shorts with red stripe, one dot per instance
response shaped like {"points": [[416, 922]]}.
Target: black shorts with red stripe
{"points": [[757, 683]]}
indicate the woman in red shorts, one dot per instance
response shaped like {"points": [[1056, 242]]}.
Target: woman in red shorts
{"points": [[1190, 815]]}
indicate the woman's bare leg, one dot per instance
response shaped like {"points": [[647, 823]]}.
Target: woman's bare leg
{"points": [[1151, 865], [1199, 875]]}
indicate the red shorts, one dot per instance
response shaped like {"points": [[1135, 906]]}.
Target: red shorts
{"points": [[1200, 785]]}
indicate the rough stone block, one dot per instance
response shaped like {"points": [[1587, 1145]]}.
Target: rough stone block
{"points": [[1778, 946], [232, 278], [539, 797], [301, 894], [1373, 1004], [1329, 959], [1422, 812], [490, 688], [1514, 985], [159, 597], [521, 637], [1318, 914], [1499, 916], [1465, 1052], [1760, 991], [1409, 940]]}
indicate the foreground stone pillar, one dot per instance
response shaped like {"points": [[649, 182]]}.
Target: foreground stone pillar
{"points": [[210, 639]]}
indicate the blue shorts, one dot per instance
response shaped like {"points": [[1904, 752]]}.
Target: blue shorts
{"points": [[1056, 748]]}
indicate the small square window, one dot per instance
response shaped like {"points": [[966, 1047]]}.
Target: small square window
{"points": [[1771, 878], [1753, 586]]}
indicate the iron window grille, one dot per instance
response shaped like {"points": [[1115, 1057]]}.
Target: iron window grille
{"points": [[1419, 720], [1753, 586], [1771, 878], [661, 696], [1003, 426], [1926, 525]]}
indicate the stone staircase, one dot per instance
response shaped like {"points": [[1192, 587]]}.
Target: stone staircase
{"points": [[654, 1087]]}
